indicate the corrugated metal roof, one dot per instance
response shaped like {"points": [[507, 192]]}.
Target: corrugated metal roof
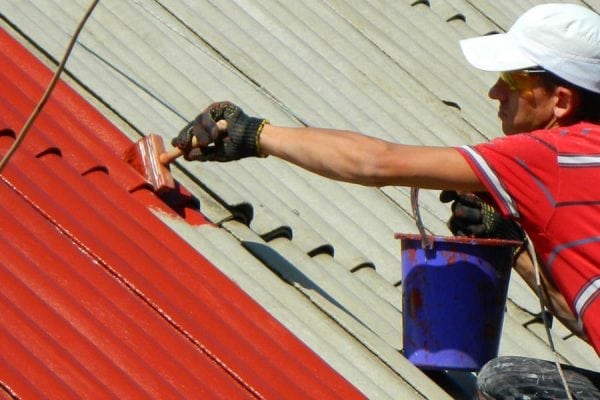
{"points": [[100, 299], [392, 69]]}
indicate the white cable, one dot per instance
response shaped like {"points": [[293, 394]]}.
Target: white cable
{"points": [[538, 285]]}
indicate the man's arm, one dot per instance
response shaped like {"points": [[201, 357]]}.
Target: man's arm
{"points": [[356, 158], [223, 132], [552, 298]]}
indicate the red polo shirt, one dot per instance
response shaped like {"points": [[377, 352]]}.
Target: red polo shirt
{"points": [[549, 181]]}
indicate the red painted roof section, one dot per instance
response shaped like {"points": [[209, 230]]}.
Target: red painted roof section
{"points": [[100, 299]]}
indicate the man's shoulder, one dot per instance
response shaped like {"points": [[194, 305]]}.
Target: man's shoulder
{"points": [[580, 128], [582, 137]]}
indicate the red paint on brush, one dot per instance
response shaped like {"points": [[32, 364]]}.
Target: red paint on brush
{"points": [[145, 157]]}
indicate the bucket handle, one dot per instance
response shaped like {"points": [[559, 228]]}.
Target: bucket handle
{"points": [[426, 241]]}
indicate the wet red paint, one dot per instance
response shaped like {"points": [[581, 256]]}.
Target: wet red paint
{"points": [[458, 240], [100, 299], [415, 302]]}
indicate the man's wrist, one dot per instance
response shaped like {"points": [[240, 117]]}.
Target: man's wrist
{"points": [[259, 150]]}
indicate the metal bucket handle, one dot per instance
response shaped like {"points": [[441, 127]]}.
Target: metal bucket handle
{"points": [[426, 240]]}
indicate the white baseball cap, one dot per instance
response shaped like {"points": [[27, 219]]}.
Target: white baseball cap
{"points": [[561, 38]]}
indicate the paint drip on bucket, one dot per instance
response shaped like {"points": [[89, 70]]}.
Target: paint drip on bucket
{"points": [[454, 296]]}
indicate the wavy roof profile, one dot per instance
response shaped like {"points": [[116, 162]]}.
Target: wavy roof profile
{"points": [[100, 299], [303, 274]]}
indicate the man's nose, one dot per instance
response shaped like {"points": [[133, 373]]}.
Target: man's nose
{"points": [[499, 91]]}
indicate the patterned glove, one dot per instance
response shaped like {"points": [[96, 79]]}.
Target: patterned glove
{"points": [[473, 217], [239, 139]]}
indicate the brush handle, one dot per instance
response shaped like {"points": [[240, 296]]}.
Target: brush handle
{"points": [[169, 156]]}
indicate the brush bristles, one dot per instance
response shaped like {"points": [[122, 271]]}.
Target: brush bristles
{"points": [[144, 157]]}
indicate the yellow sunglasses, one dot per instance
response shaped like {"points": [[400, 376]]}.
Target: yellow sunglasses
{"points": [[519, 80]]}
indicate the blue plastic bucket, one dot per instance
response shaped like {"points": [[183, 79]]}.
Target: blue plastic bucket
{"points": [[454, 298]]}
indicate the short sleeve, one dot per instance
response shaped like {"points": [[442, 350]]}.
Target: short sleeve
{"points": [[519, 172]]}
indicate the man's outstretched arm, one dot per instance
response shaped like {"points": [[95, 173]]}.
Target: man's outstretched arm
{"points": [[357, 158]]}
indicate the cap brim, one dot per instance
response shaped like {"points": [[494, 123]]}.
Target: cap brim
{"points": [[495, 53]]}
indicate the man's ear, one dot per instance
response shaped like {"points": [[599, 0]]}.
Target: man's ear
{"points": [[567, 102]]}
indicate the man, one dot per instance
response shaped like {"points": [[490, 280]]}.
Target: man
{"points": [[539, 175]]}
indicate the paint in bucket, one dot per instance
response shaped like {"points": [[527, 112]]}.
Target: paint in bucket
{"points": [[454, 297]]}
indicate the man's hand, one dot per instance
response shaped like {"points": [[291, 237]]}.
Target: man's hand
{"points": [[239, 139], [473, 217]]}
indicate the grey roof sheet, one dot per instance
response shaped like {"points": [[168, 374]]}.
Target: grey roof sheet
{"points": [[392, 69]]}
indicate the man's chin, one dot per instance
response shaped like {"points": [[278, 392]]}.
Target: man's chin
{"points": [[508, 129]]}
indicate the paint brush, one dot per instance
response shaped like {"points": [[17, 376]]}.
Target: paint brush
{"points": [[149, 157]]}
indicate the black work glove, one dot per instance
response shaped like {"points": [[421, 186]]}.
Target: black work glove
{"points": [[239, 139], [473, 217]]}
